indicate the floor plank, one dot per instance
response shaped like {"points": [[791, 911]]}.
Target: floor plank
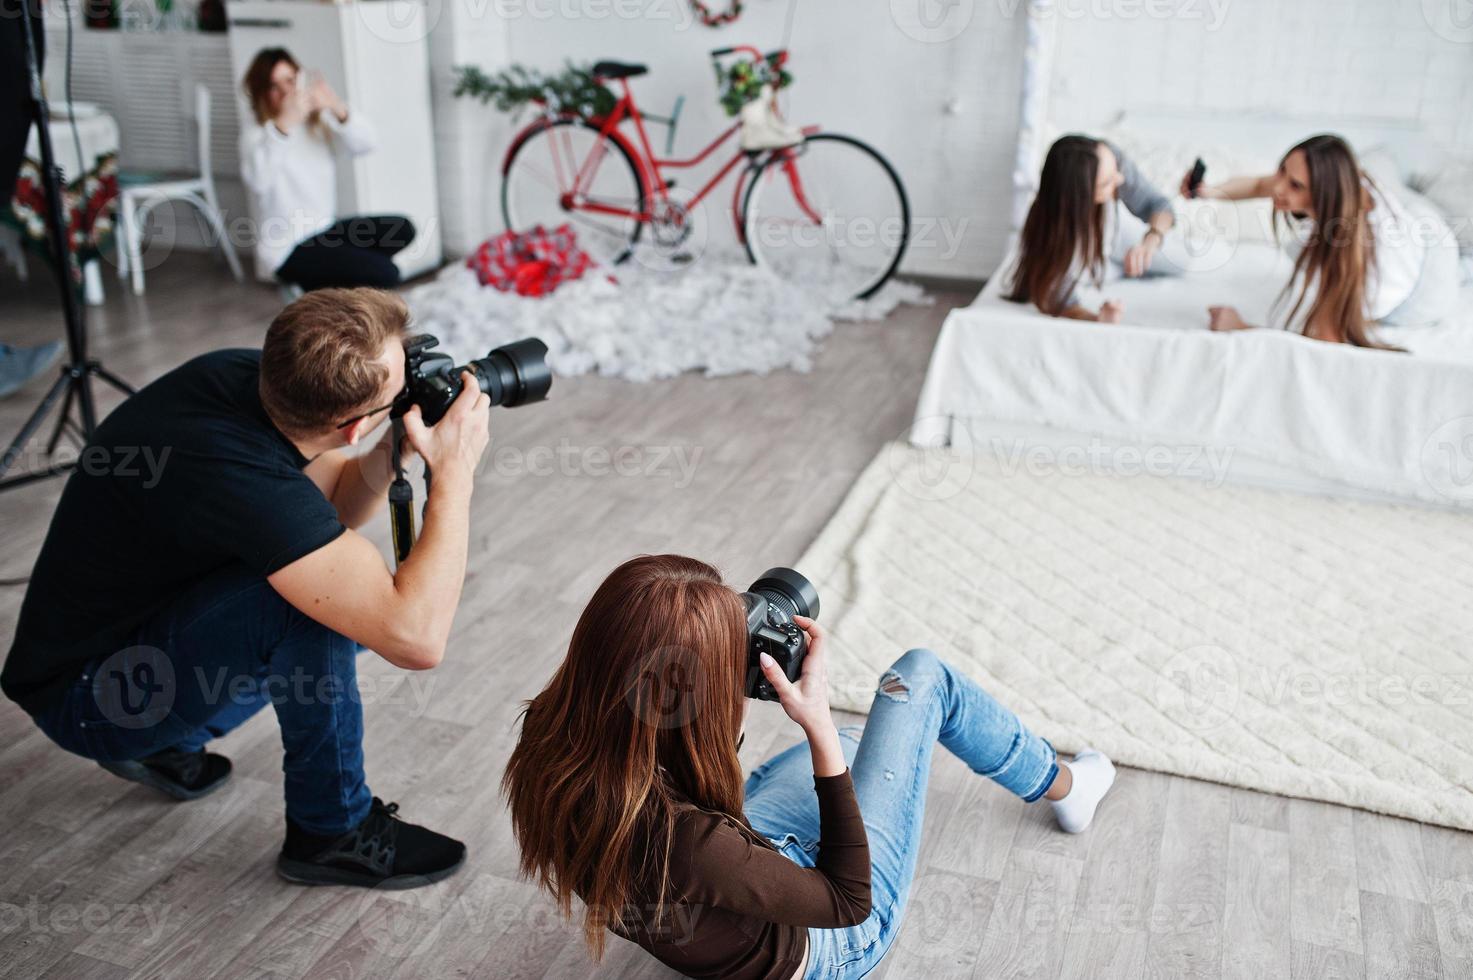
{"points": [[1255, 934], [1178, 878]]}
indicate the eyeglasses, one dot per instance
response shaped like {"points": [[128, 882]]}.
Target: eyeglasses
{"points": [[364, 415]]}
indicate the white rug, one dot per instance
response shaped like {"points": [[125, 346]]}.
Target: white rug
{"points": [[1291, 644], [719, 315]]}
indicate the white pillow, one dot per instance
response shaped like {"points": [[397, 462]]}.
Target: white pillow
{"points": [[1451, 189]]}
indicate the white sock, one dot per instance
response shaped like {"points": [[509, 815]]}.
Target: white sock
{"points": [[1093, 776]]}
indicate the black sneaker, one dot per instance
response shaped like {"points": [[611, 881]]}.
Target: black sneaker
{"points": [[182, 775], [381, 852]]}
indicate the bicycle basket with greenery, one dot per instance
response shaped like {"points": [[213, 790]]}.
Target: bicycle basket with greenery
{"points": [[741, 81], [573, 90]]}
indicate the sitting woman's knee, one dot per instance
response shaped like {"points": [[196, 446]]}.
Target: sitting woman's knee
{"points": [[916, 666]]}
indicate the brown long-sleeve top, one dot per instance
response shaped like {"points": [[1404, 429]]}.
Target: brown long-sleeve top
{"points": [[737, 908]]}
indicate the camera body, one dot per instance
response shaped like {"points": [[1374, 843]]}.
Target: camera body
{"points": [[772, 602], [512, 375]]}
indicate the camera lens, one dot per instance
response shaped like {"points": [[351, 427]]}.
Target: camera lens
{"points": [[789, 591], [515, 374]]}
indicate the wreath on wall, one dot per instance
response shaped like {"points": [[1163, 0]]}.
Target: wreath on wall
{"points": [[574, 89], [712, 19]]}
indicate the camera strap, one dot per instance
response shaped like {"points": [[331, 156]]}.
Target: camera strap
{"points": [[401, 500]]}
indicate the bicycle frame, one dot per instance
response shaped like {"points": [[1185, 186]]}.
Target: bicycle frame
{"points": [[651, 167]]}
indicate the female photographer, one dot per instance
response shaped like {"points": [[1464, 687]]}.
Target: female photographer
{"points": [[625, 788], [288, 162], [1071, 229]]}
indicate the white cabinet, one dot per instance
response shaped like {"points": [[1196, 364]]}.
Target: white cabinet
{"points": [[374, 55]]}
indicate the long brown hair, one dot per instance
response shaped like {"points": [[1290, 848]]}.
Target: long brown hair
{"points": [[1341, 251], [257, 82], [643, 715], [1063, 222]]}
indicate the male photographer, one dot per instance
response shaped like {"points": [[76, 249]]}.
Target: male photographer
{"points": [[202, 562]]}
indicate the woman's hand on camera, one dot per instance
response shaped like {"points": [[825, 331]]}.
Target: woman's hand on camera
{"points": [[453, 446], [806, 701]]}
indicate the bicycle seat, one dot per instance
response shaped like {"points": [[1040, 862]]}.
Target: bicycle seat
{"points": [[618, 69]]}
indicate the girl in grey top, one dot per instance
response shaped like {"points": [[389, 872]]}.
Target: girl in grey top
{"points": [[1064, 236]]}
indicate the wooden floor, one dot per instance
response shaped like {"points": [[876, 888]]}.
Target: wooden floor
{"points": [[102, 879]]}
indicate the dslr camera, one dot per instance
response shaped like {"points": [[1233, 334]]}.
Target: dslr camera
{"points": [[512, 375], [772, 602]]}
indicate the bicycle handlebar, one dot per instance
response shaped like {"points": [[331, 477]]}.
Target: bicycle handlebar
{"points": [[777, 57]]}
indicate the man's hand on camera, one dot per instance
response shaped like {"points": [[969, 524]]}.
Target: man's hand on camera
{"points": [[454, 445]]}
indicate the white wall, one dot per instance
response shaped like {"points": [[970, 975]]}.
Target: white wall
{"points": [[1369, 59], [938, 97]]}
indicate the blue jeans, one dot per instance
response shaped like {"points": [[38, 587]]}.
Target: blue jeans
{"points": [[921, 700], [207, 662]]}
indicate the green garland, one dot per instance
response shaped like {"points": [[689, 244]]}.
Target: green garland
{"points": [[742, 81], [573, 90]]}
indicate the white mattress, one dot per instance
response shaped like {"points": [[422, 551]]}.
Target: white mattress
{"points": [[1281, 409]]}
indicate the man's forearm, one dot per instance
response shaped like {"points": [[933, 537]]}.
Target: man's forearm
{"points": [[430, 579], [363, 484]]}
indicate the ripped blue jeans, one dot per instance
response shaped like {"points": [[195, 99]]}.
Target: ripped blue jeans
{"points": [[920, 700]]}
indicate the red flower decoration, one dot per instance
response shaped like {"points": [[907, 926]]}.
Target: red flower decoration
{"points": [[531, 263]]}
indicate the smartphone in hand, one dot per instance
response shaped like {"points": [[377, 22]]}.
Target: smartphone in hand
{"points": [[1194, 181]]}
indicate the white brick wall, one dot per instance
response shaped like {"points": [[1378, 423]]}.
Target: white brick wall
{"points": [[869, 69], [1369, 59]]}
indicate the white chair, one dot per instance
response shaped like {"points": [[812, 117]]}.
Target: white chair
{"points": [[137, 199]]}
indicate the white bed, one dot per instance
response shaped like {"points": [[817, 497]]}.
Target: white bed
{"points": [[1259, 406]]}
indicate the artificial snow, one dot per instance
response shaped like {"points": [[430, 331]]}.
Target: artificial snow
{"points": [[720, 315]]}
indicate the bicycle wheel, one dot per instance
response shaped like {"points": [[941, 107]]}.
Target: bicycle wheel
{"points": [[830, 213], [537, 187]]}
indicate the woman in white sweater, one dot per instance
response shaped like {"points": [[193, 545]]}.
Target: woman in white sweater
{"points": [[288, 160]]}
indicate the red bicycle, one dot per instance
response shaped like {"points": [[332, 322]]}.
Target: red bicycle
{"points": [[829, 212]]}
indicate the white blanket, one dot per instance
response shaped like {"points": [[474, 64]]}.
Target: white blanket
{"points": [[1288, 643], [1393, 424]]}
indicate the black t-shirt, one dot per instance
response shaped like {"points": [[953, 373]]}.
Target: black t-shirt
{"points": [[184, 478]]}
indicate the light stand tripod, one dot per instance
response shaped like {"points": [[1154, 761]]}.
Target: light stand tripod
{"points": [[75, 382]]}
